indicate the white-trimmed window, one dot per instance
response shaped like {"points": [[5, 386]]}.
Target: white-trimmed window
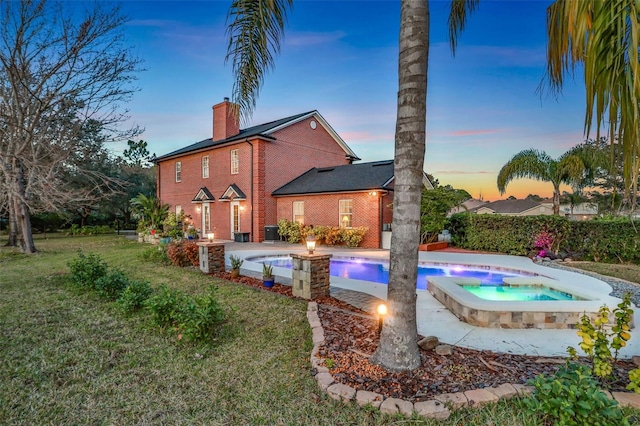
{"points": [[205, 167], [178, 209], [235, 161], [298, 212], [346, 213], [178, 171]]}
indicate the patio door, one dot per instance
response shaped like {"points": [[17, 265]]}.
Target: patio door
{"points": [[235, 218]]}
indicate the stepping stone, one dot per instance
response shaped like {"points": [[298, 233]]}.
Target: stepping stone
{"points": [[395, 406], [432, 409], [429, 343], [523, 390], [366, 397], [456, 400], [444, 350], [340, 392], [478, 397]]}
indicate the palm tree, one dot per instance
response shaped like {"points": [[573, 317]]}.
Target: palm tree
{"points": [[149, 210], [538, 165], [255, 30], [603, 37]]}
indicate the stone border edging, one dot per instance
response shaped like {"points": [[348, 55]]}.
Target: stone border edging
{"points": [[437, 408]]}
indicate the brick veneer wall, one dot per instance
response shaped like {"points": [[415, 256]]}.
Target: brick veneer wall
{"points": [[295, 149], [323, 209]]}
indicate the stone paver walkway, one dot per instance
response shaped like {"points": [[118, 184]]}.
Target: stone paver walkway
{"points": [[364, 301]]}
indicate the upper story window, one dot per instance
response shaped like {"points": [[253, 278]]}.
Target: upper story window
{"points": [[298, 212], [235, 162], [178, 171], [346, 213], [205, 167]]}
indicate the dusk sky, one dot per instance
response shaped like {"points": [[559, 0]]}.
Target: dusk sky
{"points": [[340, 58]]}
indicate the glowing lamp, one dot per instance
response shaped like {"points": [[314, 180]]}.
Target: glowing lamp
{"points": [[311, 243], [382, 311], [210, 236]]}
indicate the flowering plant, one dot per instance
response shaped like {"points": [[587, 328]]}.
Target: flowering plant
{"points": [[543, 242]]}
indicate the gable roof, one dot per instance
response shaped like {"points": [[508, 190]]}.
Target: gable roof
{"points": [[262, 130], [509, 206], [233, 192], [346, 178], [203, 195]]}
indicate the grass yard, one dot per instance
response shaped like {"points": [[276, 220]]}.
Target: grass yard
{"points": [[68, 357]]}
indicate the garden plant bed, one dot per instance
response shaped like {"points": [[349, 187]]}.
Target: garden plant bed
{"points": [[351, 336]]}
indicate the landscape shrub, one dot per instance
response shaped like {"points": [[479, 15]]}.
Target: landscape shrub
{"points": [[325, 235], [165, 306], [201, 317], [112, 284], [352, 237], [157, 254], [183, 253], [134, 296], [86, 270], [290, 230], [600, 240]]}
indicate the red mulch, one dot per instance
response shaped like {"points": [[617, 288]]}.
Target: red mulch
{"points": [[351, 337]]}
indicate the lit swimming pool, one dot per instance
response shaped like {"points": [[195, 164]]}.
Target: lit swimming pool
{"points": [[508, 293], [378, 271]]}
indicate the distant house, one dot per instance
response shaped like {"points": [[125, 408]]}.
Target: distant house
{"points": [[240, 181], [526, 207], [466, 206]]}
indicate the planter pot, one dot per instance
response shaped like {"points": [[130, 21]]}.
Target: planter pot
{"points": [[235, 273], [268, 282], [433, 246]]}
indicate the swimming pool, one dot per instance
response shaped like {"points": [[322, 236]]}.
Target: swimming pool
{"points": [[378, 270], [507, 293]]}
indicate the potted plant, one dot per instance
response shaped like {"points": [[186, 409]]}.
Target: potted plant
{"points": [[236, 263], [267, 275]]}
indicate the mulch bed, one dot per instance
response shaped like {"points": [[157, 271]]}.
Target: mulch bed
{"points": [[351, 337]]}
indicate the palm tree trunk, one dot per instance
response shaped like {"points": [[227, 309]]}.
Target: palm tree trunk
{"points": [[556, 199], [398, 348]]}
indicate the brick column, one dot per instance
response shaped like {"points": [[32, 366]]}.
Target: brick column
{"points": [[310, 275], [211, 257]]}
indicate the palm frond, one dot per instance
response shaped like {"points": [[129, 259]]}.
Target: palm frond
{"points": [[460, 10], [255, 31], [530, 163]]}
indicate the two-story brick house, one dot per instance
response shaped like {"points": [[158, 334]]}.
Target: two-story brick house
{"points": [[297, 168], [225, 182]]}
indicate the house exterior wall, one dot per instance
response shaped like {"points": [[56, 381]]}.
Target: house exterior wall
{"points": [[323, 209], [264, 165]]}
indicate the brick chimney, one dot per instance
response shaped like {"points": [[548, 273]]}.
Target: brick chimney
{"points": [[225, 124]]}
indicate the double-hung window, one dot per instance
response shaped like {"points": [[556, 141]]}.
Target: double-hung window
{"points": [[205, 167], [178, 171], [298, 212], [235, 162], [346, 213]]}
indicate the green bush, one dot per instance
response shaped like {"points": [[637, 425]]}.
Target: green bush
{"points": [[573, 397], [290, 230], [86, 270], [111, 285], [134, 296], [325, 235], [157, 254], [602, 240], [201, 317], [165, 306], [352, 237]]}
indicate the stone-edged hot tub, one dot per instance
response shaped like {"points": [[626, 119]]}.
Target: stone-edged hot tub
{"points": [[517, 314]]}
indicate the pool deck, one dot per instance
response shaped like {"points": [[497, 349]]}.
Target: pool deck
{"points": [[433, 318]]}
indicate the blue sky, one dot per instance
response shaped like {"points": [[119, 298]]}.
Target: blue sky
{"points": [[340, 57]]}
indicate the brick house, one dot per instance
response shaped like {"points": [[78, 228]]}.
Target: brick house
{"points": [[227, 183]]}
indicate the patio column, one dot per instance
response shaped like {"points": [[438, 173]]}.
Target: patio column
{"points": [[211, 257], [310, 275]]}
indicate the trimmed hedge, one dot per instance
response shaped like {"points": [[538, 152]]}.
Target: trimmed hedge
{"points": [[610, 240]]}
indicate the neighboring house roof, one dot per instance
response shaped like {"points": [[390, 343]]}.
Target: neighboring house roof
{"points": [[466, 206], [262, 130], [346, 178], [508, 206]]}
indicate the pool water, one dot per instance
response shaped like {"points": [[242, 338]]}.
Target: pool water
{"points": [[517, 293], [377, 271]]}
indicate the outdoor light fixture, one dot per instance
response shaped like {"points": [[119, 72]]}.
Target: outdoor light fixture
{"points": [[311, 243], [373, 193], [382, 311], [210, 236]]}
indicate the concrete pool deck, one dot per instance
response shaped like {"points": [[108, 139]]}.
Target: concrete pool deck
{"points": [[432, 317]]}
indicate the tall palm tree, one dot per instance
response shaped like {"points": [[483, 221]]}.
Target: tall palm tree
{"points": [[538, 165], [255, 30]]}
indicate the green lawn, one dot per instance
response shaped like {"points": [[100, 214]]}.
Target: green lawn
{"points": [[70, 358]]}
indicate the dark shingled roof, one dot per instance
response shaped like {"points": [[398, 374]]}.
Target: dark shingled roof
{"points": [[233, 188], [509, 206], [244, 133], [350, 177]]}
